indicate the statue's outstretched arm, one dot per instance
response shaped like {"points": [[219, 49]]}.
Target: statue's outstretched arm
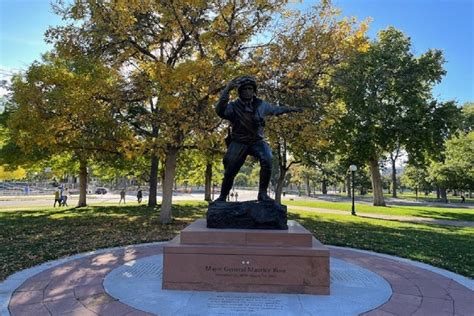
{"points": [[279, 110]]}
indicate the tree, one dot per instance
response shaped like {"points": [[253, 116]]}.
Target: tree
{"points": [[387, 94], [416, 177], [58, 106], [17, 174], [467, 117], [183, 51], [457, 170], [295, 70]]}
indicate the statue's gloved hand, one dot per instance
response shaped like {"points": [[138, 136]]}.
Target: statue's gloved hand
{"points": [[234, 83]]}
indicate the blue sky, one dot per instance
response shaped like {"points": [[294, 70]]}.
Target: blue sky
{"points": [[443, 24]]}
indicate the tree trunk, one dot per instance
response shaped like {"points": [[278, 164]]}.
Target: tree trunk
{"points": [[153, 180], [162, 174], [376, 182], [324, 186], [208, 182], [443, 195], [438, 193], [308, 186], [170, 171], [394, 176], [82, 182], [348, 185]]}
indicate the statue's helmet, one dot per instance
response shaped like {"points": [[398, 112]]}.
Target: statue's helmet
{"points": [[245, 81]]}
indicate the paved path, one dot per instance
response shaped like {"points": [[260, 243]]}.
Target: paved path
{"points": [[6, 202], [411, 219], [75, 287]]}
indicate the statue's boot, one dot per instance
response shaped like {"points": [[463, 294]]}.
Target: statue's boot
{"points": [[221, 198], [265, 174], [263, 196], [225, 188]]}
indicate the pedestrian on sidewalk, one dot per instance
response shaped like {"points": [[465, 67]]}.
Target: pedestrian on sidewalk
{"points": [[65, 197], [139, 195], [122, 196], [57, 198]]}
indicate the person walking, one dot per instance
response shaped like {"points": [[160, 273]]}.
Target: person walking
{"points": [[65, 197], [139, 196], [122, 196], [57, 198]]}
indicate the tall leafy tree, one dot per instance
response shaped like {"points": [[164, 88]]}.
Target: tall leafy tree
{"points": [[456, 171], [295, 70], [387, 93], [183, 50], [58, 106]]}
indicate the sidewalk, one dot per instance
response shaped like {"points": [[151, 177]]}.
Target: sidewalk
{"points": [[75, 287], [411, 219], [243, 195]]}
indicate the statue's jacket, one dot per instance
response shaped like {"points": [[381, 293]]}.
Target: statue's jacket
{"points": [[247, 118]]}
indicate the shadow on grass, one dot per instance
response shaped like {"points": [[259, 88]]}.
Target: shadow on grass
{"points": [[460, 214], [436, 213], [446, 247], [447, 215], [35, 236]]}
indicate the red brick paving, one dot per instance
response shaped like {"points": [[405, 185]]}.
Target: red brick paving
{"points": [[75, 288]]}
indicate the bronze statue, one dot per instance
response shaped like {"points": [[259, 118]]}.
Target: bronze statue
{"points": [[247, 118]]}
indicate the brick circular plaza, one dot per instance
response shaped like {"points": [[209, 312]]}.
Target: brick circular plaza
{"points": [[75, 285]]}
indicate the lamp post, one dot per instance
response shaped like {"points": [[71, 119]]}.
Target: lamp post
{"points": [[353, 169]]}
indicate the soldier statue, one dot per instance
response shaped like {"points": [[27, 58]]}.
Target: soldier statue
{"points": [[247, 118]]}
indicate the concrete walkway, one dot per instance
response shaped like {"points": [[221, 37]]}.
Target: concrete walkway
{"points": [[75, 287], [411, 219]]}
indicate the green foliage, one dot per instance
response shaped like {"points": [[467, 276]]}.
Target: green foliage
{"points": [[457, 170], [416, 177], [468, 117], [387, 94], [388, 99], [59, 107], [192, 167]]}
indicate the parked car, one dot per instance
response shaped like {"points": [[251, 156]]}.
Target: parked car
{"points": [[100, 191]]}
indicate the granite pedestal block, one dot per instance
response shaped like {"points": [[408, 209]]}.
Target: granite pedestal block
{"points": [[246, 260]]}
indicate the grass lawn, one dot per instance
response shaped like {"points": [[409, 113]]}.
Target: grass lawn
{"points": [[442, 246], [411, 196], [460, 214], [31, 237]]}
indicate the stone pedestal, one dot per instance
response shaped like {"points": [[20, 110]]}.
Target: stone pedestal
{"points": [[246, 260]]}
